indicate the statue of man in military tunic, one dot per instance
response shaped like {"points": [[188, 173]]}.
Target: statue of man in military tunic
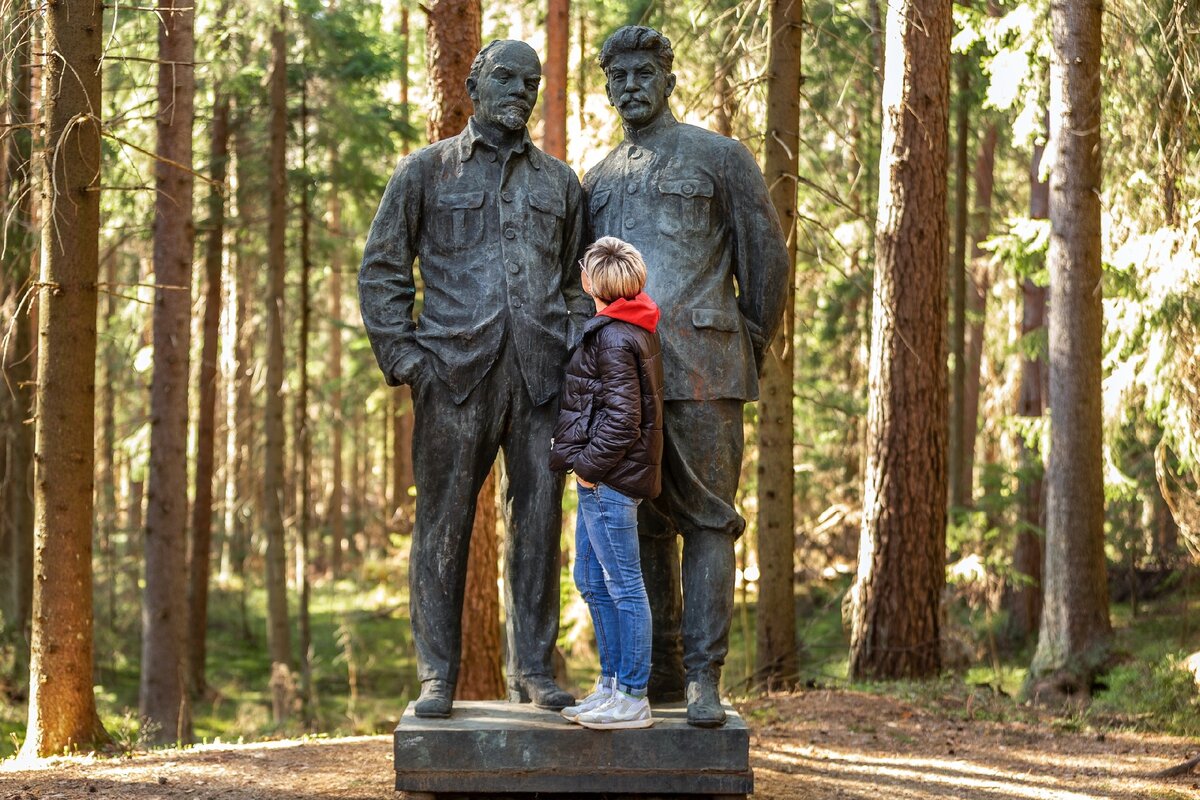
{"points": [[496, 226], [696, 205]]}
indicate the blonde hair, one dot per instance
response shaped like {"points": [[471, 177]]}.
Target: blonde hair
{"points": [[615, 268]]}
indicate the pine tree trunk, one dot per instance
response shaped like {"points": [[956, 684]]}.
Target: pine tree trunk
{"points": [[405, 115], [901, 562], [62, 706], [244, 471], [303, 442], [554, 97], [1023, 601], [452, 38], [278, 634], [959, 491], [776, 663], [16, 521], [202, 504], [1075, 636], [163, 698], [337, 495]]}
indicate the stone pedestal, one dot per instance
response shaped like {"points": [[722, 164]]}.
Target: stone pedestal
{"points": [[497, 748]]}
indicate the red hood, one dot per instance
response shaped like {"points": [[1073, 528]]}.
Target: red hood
{"points": [[640, 311]]}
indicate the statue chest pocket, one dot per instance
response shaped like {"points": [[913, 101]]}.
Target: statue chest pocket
{"points": [[459, 221], [546, 221], [686, 205]]}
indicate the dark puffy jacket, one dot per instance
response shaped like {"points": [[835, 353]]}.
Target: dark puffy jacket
{"points": [[610, 416]]}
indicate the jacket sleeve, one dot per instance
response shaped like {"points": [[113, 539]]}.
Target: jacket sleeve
{"points": [[386, 289], [760, 255], [619, 419]]}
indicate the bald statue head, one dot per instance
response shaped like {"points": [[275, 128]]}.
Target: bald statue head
{"points": [[503, 83]]}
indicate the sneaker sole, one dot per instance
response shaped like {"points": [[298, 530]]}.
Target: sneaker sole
{"points": [[623, 725]]}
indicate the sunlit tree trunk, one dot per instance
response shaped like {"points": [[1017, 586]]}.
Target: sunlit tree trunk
{"points": [[303, 440], [246, 332], [1024, 599], [202, 504], [62, 706], [554, 71], [163, 698], [337, 495], [959, 492], [901, 562], [452, 38], [16, 514], [1075, 636], [278, 634], [776, 664]]}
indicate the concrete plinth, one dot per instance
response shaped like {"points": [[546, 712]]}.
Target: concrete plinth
{"points": [[497, 748]]}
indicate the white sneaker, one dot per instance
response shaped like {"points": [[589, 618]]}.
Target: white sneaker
{"points": [[597, 698], [621, 712]]}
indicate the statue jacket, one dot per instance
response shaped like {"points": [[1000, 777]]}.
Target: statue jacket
{"points": [[695, 204], [496, 241]]}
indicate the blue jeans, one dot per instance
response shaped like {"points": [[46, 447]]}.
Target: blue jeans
{"points": [[608, 572]]}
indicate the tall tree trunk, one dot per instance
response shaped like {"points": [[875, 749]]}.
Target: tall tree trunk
{"points": [[337, 495], [581, 81], [303, 442], [62, 706], [405, 114], [163, 696], [452, 38], [16, 515], [202, 504], [244, 473], [959, 492], [1075, 636], [278, 634], [1024, 600], [554, 98], [901, 561], [776, 663], [978, 289]]}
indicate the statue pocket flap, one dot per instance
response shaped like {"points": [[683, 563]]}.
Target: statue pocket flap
{"points": [[462, 200], [598, 200], [716, 320], [550, 204], [688, 187]]}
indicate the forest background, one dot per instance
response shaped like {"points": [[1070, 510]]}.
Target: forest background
{"points": [[236, 552]]}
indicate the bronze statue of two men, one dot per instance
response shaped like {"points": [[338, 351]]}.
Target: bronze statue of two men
{"points": [[498, 227]]}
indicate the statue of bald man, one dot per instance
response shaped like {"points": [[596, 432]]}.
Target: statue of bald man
{"points": [[496, 225]]}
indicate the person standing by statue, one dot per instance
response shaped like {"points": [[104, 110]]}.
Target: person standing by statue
{"points": [[695, 204], [496, 226]]}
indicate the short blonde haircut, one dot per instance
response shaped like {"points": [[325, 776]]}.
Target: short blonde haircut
{"points": [[615, 268]]}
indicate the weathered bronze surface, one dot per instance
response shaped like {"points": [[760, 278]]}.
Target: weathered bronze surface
{"points": [[696, 205], [495, 224]]}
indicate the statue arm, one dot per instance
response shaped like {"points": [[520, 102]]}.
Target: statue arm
{"points": [[760, 255], [579, 304], [386, 289]]}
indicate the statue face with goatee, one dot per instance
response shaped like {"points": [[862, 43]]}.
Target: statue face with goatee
{"points": [[503, 84]]}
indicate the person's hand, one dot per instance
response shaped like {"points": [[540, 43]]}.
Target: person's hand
{"points": [[585, 484]]}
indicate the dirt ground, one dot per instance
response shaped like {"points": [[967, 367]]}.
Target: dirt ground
{"points": [[818, 744]]}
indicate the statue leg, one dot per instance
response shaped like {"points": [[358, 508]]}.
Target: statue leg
{"points": [[454, 446], [533, 554], [660, 573]]}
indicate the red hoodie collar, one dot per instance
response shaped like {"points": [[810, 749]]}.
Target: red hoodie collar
{"points": [[640, 311]]}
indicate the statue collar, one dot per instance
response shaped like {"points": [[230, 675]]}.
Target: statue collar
{"points": [[472, 138], [665, 122]]}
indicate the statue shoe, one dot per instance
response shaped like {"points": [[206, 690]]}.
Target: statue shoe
{"points": [[704, 703], [436, 700], [541, 690]]}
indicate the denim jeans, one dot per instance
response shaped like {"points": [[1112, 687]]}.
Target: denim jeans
{"points": [[608, 573]]}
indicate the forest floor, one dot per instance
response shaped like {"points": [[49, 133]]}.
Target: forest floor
{"points": [[815, 744]]}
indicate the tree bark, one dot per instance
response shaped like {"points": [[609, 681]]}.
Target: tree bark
{"points": [[202, 504], [16, 521], [62, 706], [776, 662], [959, 492], [278, 634], [1075, 636], [246, 332], [901, 563], [303, 440], [163, 697], [554, 97], [452, 39], [337, 495]]}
